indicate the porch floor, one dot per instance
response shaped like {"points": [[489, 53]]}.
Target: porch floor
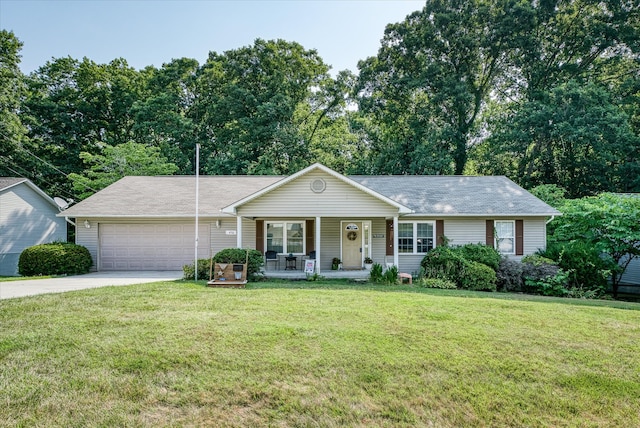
{"points": [[362, 274]]}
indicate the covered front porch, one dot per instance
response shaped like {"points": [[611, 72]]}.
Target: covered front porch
{"points": [[353, 275]]}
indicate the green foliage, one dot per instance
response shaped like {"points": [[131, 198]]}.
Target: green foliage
{"points": [[228, 255], [481, 253], [509, 275], [587, 271], [610, 223], [552, 194], [116, 162], [443, 262], [390, 276], [203, 270], [375, 275], [238, 255], [57, 258], [435, 283], [477, 276], [550, 285]]}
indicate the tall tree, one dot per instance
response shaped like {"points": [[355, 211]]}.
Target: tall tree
{"points": [[432, 76], [116, 162], [575, 137], [79, 106], [245, 105], [12, 91], [163, 119]]}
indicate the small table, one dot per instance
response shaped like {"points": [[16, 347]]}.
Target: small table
{"points": [[291, 263]]}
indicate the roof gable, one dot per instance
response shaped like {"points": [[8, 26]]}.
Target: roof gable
{"points": [[232, 209], [7, 183]]}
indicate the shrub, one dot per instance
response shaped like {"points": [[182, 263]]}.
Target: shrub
{"points": [[477, 276], [57, 258], [203, 270], [436, 283], [443, 262], [587, 270], [548, 286], [376, 273], [509, 275], [390, 276], [481, 253], [228, 255]]}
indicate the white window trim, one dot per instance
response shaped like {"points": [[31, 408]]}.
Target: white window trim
{"points": [[284, 223], [496, 239], [415, 236]]}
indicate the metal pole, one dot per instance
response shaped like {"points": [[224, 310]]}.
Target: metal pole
{"points": [[195, 264]]}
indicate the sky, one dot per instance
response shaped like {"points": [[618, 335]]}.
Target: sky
{"points": [[152, 32]]}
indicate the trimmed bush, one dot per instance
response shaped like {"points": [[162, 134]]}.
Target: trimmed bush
{"points": [[548, 286], [443, 262], [57, 258], [228, 255], [477, 276], [238, 255], [481, 253], [203, 270]]}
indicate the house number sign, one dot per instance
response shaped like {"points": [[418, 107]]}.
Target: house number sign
{"points": [[378, 235]]}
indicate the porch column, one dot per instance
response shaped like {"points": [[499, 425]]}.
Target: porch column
{"points": [[317, 239], [395, 241], [239, 231]]}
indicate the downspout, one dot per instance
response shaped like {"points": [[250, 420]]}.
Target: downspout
{"points": [[550, 220], [70, 222]]}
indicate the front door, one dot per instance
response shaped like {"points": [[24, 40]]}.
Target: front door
{"points": [[352, 245]]}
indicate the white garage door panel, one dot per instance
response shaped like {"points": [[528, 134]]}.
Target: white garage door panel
{"points": [[151, 246]]}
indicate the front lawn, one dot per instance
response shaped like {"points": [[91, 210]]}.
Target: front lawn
{"points": [[316, 354]]}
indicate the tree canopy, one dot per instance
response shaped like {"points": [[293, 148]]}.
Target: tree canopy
{"points": [[544, 92]]}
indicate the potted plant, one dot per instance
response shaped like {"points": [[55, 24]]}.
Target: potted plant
{"points": [[368, 262], [335, 263]]}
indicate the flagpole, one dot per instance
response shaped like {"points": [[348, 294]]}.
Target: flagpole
{"points": [[195, 264]]}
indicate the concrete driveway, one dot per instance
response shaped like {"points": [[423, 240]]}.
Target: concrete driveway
{"points": [[11, 289]]}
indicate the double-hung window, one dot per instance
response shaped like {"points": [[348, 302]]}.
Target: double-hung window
{"points": [[505, 236], [285, 237], [415, 237]]}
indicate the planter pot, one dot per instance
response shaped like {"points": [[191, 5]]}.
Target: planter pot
{"points": [[368, 266]]}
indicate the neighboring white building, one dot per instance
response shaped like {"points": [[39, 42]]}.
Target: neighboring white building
{"points": [[27, 218], [147, 223]]}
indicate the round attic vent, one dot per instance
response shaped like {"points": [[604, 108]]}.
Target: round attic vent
{"points": [[318, 185]]}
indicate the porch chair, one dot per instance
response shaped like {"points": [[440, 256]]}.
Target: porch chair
{"points": [[271, 256]]}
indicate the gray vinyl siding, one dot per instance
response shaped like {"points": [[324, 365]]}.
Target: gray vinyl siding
{"points": [[89, 239], [219, 238], [296, 199], [248, 233], [465, 231], [535, 235], [379, 245], [632, 274], [330, 243], [26, 219]]}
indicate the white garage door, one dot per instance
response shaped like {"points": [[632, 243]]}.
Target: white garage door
{"points": [[151, 246]]}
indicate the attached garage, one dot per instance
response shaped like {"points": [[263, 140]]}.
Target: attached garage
{"points": [[165, 246]]}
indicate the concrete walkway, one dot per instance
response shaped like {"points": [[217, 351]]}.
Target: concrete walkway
{"points": [[31, 287]]}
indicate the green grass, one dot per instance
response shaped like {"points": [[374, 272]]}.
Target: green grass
{"points": [[316, 354]]}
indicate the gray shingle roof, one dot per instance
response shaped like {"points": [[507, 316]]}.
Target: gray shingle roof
{"points": [[168, 196], [10, 181], [458, 195], [174, 196]]}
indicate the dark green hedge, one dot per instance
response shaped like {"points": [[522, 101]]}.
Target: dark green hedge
{"points": [[57, 258]]}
